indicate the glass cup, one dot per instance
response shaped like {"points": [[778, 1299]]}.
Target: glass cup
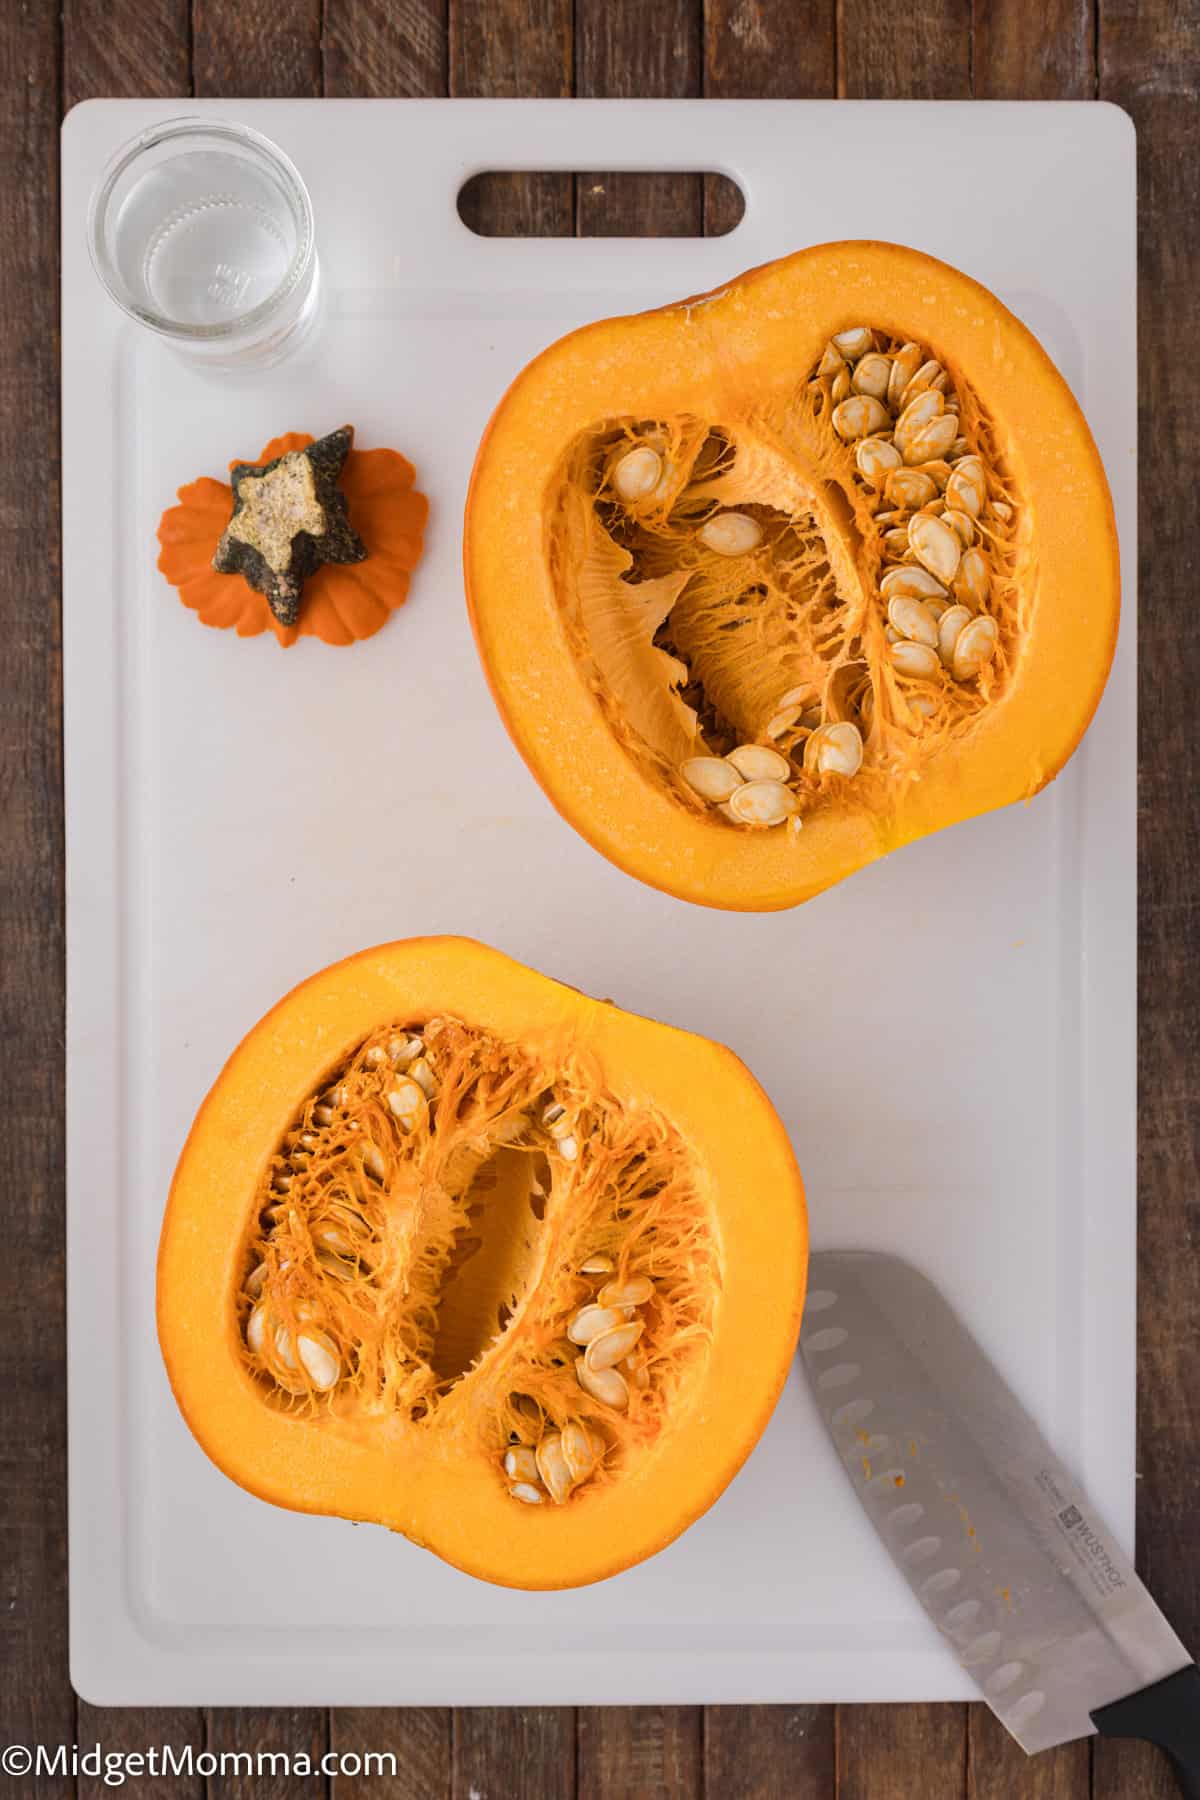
{"points": [[203, 231]]}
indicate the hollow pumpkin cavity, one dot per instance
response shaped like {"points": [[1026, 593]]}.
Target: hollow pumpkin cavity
{"points": [[458, 1232], [831, 590]]}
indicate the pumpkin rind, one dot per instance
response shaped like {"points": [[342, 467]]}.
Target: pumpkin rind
{"points": [[406, 1475], [722, 357]]}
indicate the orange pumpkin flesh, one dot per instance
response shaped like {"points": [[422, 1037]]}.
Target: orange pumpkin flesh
{"points": [[618, 646], [434, 1257]]}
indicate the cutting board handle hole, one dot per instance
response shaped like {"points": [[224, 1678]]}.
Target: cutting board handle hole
{"points": [[553, 203]]}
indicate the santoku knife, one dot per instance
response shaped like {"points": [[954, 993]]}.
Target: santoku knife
{"points": [[998, 1542]]}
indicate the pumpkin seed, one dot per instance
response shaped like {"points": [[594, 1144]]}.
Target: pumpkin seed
{"points": [[972, 584], [334, 1238], [520, 1463], [950, 625], [423, 1075], [872, 374], [860, 416], [840, 386], [577, 1450], [552, 1114], [407, 1102], [875, 456], [895, 544], [282, 1183], [375, 1055], [253, 1283], [911, 580], [597, 1265], [836, 749], [712, 777], [591, 1320], [910, 488], [731, 534], [958, 449], [853, 343], [929, 375], [256, 1329], [1002, 510], [405, 1050], [762, 803], [962, 525], [372, 1162], [552, 1467], [318, 1354], [606, 1350], [966, 490], [905, 364], [638, 1372], [976, 645], [936, 546], [322, 1115], [831, 361], [756, 762], [932, 442], [634, 1292], [524, 1490], [917, 660], [783, 721], [911, 620], [606, 1385], [637, 473], [568, 1148]]}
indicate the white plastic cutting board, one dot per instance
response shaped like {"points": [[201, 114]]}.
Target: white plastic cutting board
{"points": [[949, 1036]]}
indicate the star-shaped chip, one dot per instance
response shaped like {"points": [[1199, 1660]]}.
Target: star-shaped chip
{"points": [[289, 517]]}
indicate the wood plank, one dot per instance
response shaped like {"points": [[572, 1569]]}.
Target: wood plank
{"points": [[112, 49], [419, 1737], [617, 57], [36, 1703], [998, 1768], [135, 1730], [765, 50], [1149, 62], [916, 52], [769, 1752], [514, 1753], [1057, 61], [283, 1731], [376, 49], [268, 48], [644, 1752], [899, 1752], [507, 48]]}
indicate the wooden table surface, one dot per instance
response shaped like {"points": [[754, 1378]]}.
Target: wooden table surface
{"points": [[1144, 54]]}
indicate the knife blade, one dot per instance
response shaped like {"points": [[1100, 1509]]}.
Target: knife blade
{"points": [[997, 1540]]}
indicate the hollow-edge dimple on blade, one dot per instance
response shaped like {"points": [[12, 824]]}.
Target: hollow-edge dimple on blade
{"points": [[997, 1541]]}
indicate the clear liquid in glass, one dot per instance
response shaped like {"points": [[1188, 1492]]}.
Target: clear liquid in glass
{"points": [[204, 238]]}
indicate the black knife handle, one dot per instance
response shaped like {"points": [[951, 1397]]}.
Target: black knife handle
{"points": [[1168, 1714]]}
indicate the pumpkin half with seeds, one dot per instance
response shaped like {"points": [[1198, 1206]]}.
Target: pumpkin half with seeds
{"points": [[455, 1249], [773, 581]]}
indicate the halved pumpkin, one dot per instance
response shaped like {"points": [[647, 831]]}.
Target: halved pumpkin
{"points": [[453, 1248], [775, 580]]}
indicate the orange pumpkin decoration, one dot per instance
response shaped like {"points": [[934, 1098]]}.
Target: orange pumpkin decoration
{"points": [[341, 602]]}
